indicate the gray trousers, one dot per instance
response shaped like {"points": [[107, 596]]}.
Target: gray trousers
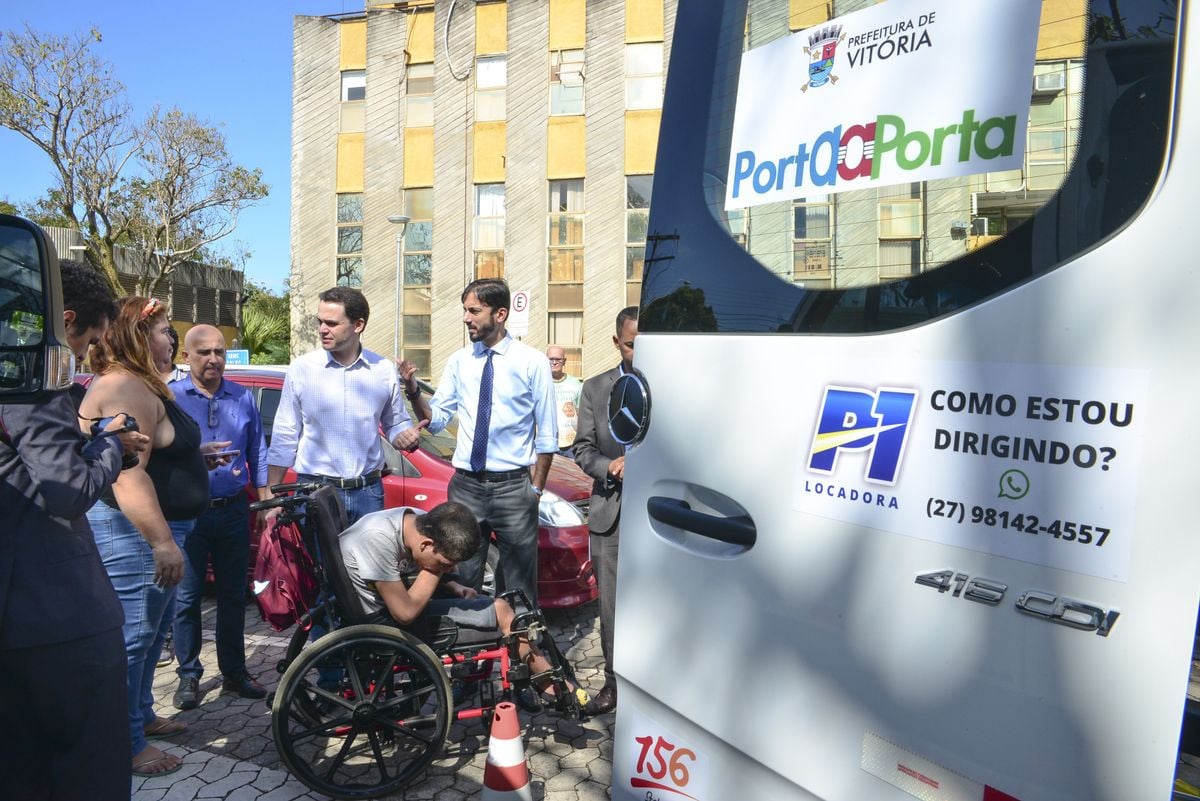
{"points": [[510, 509], [604, 562]]}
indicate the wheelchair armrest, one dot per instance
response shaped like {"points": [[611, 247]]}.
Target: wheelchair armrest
{"points": [[290, 501]]}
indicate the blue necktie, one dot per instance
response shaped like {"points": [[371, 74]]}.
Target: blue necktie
{"points": [[483, 416]]}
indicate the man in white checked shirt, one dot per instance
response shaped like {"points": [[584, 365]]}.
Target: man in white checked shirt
{"points": [[334, 403]]}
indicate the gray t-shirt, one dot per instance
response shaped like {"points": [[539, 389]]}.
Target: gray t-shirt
{"points": [[373, 550]]}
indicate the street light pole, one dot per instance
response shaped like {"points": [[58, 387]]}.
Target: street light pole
{"points": [[402, 221]]}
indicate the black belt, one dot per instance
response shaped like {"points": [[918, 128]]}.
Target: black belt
{"points": [[365, 480], [220, 503], [494, 475]]}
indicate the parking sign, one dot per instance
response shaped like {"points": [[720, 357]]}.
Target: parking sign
{"points": [[518, 315]]}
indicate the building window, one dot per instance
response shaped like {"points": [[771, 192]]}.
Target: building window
{"points": [[489, 231], [349, 239], [812, 240], [1053, 123], [354, 85], [566, 82], [566, 330], [418, 279], [637, 218], [491, 80], [738, 227], [353, 108], [418, 93], [900, 230], [565, 258], [644, 75]]}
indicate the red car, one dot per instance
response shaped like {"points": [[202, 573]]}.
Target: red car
{"points": [[420, 478]]}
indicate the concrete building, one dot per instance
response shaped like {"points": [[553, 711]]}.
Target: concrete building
{"points": [[519, 137]]}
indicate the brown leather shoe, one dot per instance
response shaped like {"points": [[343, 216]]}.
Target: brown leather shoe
{"points": [[603, 701]]}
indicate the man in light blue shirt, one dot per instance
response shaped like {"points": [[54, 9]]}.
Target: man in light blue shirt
{"points": [[335, 402], [503, 395]]}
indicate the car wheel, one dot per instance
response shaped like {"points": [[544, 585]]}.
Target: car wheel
{"points": [[489, 570]]}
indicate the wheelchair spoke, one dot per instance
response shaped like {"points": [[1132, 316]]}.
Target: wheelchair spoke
{"points": [[420, 693], [384, 677], [355, 679], [342, 753], [404, 728], [379, 760]]}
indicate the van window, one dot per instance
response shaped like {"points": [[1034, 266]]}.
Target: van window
{"points": [[1091, 143]]}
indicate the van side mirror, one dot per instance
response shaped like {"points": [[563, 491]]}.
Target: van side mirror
{"points": [[33, 356]]}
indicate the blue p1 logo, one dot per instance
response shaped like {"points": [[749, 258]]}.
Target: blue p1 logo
{"points": [[861, 420]]}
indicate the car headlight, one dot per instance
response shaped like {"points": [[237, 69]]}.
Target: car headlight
{"points": [[554, 511]]}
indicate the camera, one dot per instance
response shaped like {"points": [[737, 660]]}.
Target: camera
{"points": [[128, 460]]}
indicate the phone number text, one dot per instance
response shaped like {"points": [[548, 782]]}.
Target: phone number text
{"points": [[1065, 530]]}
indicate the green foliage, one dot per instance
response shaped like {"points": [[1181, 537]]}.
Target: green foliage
{"points": [[265, 325]]}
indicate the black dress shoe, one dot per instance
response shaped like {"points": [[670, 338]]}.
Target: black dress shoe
{"points": [[604, 701], [244, 686], [188, 694]]}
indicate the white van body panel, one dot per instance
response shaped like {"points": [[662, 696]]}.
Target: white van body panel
{"points": [[784, 667]]}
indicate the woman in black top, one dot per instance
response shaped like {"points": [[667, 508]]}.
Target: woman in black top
{"points": [[140, 524]]}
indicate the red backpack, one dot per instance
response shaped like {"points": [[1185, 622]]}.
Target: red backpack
{"points": [[285, 582]]}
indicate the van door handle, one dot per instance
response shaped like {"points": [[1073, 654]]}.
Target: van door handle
{"points": [[738, 530]]}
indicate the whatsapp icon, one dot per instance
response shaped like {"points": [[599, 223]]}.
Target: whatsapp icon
{"points": [[1014, 484]]}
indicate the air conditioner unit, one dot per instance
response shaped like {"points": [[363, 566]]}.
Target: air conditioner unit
{"points": [[1049, 83]]}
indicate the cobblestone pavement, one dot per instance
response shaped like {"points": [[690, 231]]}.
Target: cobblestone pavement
{"points": [[228, 752]]}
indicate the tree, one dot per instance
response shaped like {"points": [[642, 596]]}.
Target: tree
{"points": [[59, 96], [165, 187], [265, 325], [190, 196]]}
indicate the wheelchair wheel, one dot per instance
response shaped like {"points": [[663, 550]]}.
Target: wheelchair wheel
{"points": [[362, 712]]}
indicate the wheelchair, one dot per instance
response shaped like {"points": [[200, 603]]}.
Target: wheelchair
{"points": [[363, 710]]}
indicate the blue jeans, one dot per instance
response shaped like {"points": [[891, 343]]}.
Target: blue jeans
{"points": [[358, 502], [149, 609], [224, 534]]}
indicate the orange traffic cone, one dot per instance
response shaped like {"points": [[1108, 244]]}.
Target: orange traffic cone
{"points": [[506, 777]]}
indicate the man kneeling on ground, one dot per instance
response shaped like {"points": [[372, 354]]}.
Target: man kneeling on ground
{"points": [[383, 552]]}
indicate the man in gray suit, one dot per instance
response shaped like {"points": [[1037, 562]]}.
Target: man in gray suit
{"points": [[604, 460]]}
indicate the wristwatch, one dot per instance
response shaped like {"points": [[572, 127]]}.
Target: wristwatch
{"points": [[536, 490]]}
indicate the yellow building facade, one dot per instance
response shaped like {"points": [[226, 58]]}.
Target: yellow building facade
{"points": [[519, 140]]}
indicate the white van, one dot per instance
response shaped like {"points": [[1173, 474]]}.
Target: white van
{"points": [[909, 506]]}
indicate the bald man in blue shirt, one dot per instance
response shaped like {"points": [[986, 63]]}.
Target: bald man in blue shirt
{"points": [[225, 412]]}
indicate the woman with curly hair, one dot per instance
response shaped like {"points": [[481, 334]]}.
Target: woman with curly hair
{"points": [[140, 524]]}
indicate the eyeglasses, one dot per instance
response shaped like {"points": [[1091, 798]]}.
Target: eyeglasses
{"points": [[150, 307], [212, 412], [556, 359]]}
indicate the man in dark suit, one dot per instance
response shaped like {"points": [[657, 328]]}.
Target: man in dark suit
{"points": [[604, 460], [62, 655]]}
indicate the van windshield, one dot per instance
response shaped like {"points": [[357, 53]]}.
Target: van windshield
{"points": [[883, 164]]}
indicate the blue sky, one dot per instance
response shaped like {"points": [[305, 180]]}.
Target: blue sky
{"points": [[229, 62]]}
